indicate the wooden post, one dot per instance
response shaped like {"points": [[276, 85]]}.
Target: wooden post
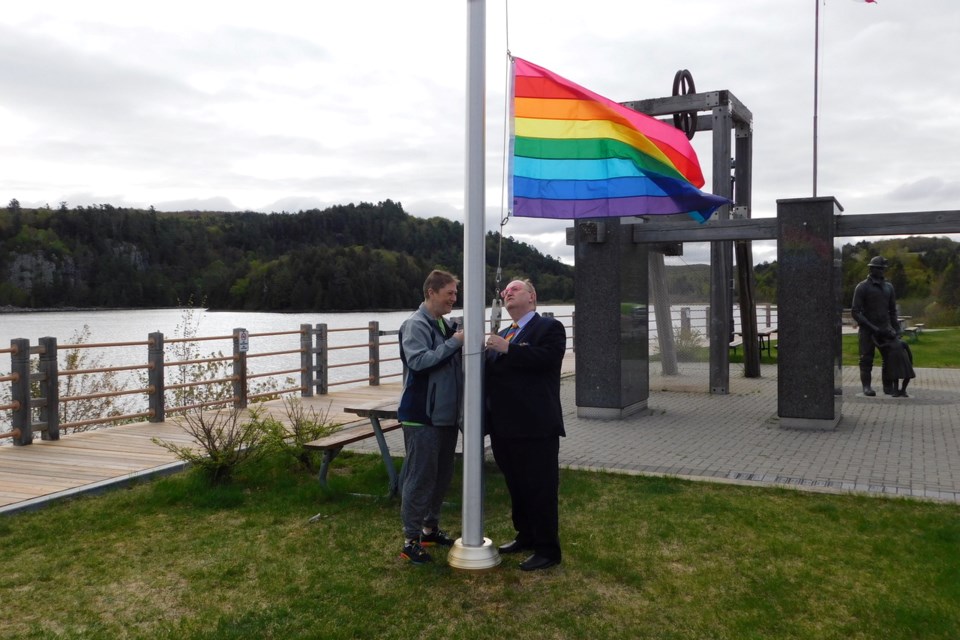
{"points": [[573, 331], [240, 346], [685, 323], [49, 389], [748, 310], [306, 371], [20, 391], [374, 342], [661, 310], [743, 176], [720, 320], [155, 377], [322, 355]]}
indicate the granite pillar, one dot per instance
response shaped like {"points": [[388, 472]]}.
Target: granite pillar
{"points": [[809, 314], [612, 286]]}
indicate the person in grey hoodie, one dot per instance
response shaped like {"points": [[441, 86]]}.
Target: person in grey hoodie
{"points": [[430, 411]]}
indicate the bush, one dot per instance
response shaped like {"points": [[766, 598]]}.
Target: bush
{"points": [[690, 346], [938, 315], [100, 384], [223, 441], [302, 426]]}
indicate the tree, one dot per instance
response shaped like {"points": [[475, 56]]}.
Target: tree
{"points": [[365, 256], [950, 285]]}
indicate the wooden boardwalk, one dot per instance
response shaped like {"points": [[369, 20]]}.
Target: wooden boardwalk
{"points": [[33, 475]]}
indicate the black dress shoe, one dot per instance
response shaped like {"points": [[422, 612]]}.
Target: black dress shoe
{"points": [[514, 546], [536, 562]]}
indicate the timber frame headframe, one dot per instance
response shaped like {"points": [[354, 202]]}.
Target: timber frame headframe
{"points": [[732, 227]]}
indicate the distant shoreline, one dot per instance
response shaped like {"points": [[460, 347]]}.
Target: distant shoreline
{"points": [[11, 309]]}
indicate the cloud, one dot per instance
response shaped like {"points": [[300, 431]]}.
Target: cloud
{"points": [[296, 106], [933, 189]]}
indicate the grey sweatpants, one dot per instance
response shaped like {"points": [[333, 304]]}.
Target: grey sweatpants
{"points": [[425, 476]]}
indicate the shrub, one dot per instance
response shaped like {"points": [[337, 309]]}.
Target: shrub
{"points": [[224, 440], [99, 384], [303, 426], [690, 346], [937, 315]]}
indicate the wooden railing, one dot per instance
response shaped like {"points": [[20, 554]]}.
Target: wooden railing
{"points": [[10, 406], [35, 377]]}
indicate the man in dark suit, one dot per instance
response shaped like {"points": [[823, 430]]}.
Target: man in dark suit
{"points": [[525, 421]]}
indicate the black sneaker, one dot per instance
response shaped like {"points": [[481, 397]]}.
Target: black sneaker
{"points": [[413, 552], [436, 537]]}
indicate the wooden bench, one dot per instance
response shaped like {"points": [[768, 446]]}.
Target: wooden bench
{"points": [[914, 331], [352, 432], [736, 342]]}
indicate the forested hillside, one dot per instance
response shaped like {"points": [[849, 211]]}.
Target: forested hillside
{"points": [[352, 257], [924, 270]]}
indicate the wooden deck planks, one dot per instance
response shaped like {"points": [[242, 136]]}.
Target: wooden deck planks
{"points": [[75, 472], [47, 468]]}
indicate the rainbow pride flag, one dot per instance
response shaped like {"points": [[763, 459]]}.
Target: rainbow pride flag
{"points": [[577, 154]]}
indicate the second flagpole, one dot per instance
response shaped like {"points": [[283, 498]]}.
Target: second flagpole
{"points": [[816, 87]]}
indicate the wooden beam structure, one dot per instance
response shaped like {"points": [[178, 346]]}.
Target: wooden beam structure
{"points": [[656, 230], [865, 224], [725, 117], [733, 228]]}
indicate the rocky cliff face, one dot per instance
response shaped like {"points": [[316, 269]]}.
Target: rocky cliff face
{"points": [[27, 270]]}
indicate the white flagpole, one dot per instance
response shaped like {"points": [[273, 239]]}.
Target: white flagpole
{"points": [[816, 89], [472, 550]]}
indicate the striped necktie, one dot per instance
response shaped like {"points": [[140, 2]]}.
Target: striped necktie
{"points": [[511, 332]]}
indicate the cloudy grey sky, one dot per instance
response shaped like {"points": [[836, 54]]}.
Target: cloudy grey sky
{"points": [[289, 105]]}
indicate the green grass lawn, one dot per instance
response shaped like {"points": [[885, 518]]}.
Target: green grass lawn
{"points": [[933, 348], [644, 558]]}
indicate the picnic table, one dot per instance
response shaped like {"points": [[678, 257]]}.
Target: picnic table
{"points": [[373, 426], [906, 328], [764, 335]]}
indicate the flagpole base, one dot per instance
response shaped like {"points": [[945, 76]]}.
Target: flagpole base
{"points": [[473, 558]]}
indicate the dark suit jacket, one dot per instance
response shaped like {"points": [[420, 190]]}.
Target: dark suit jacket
{"points": [[522, 386]]}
